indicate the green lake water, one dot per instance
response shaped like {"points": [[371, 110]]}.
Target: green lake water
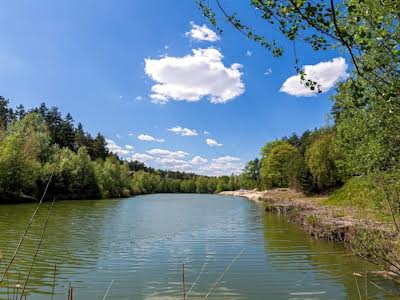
{"points": [[140, 244]]}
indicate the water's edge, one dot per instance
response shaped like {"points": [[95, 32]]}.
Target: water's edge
{"points": [[314, 220]]}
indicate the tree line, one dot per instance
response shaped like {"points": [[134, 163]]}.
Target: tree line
{"points": [[40, 146], [364, 138]]}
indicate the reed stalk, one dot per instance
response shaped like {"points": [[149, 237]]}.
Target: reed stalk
{"points": [[183, 281], [194, 283], [54, 282], [358, 288], [222, 275], [26, 230], [109, 287], [37, 248]]}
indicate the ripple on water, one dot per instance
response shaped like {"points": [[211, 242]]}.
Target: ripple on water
{"points": [[141, 243]]}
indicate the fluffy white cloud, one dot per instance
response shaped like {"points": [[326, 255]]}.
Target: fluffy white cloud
{"points": [[213, 143], [149, 138], [226, 159], [202, 33], [163, 153], [193, 77], [116, 149], [206, 132], [249, 53], [198, 160], [326, 74], [174, 164], [142, 157], [224, 165], [183, 131]]}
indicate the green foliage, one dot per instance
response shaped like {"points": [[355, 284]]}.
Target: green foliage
{"points": [[73, 175], [250, 177], [201, 185], [6, 113], [188, 186], [321, 161], [244, 181], [300, 177], [40, 144], [368, 131], [21, 153], [359, 192], [146, 183], [275, 163], [112, 177]]}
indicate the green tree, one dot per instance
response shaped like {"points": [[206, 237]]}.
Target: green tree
{"points": [[21, 154], [99, 147], [6, 113], [367, 131], [300, 177], [274, 167], [252, 169], [113, 178], [74, 175], [321, 161], [201, 185], [188, 186]]}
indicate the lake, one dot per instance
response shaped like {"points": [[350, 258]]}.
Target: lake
{"points": [[139, 244]]}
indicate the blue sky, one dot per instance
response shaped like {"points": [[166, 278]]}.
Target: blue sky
{"points": [[108, 62]]}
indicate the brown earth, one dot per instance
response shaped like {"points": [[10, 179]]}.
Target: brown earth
{"points": [[319, 220]]}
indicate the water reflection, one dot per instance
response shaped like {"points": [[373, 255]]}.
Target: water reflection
{"points": [[295, 253], [141, 243]]}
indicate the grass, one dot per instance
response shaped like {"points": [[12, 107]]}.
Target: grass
{"points": [[361, 194], [358, 192]]}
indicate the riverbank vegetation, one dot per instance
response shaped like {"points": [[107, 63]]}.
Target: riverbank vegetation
{"points": [[40, 144], [356, 158], [358, 151]]}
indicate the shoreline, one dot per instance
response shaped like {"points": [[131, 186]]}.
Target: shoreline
{"points": [[321, 221], [332, 223]]}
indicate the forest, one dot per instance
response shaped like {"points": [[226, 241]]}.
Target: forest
{"points": [[360, 144], [40, 146]]}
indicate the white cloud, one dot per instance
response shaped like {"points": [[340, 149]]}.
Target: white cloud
{"points": [[249, 53], [139, 98], [198, 160], [142, 157], [213, 143], [224, 165], [174, 164], [193, 77], [149, 138], [129, 147], [206, 132], [268, 72], [226, 159], [163, 153], [183, 131], [202, 33], [116, 149], [326, 74]]}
